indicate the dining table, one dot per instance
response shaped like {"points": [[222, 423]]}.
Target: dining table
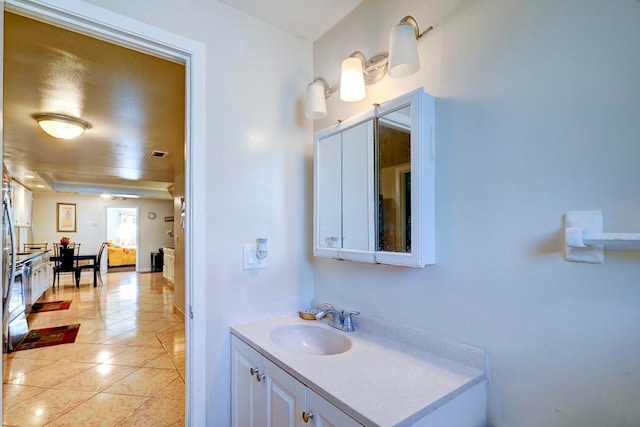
{"points": [[83, 257]]}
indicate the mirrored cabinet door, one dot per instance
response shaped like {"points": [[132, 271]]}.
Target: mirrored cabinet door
{"points": [[328, 189], [393, 174], [344, 190], [358, 190], [405, 174]]}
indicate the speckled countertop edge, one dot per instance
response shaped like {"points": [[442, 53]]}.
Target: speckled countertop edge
{"points": [[374, 361]]}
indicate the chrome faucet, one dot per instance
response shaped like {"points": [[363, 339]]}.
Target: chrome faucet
{"points": [[338, 319]]}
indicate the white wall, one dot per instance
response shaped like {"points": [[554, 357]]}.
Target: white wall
{"points": [[258, 180], [537, 115], [92, 222]]}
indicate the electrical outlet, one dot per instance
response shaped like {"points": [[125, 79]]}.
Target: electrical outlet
{"points": [[250, 260]]}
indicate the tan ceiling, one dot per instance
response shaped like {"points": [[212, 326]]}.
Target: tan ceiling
{"points": [[135, 103]]}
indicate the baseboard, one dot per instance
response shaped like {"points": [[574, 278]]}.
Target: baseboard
{"points": [[178, 312]]}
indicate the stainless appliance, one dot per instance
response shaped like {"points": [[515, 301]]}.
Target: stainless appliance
{"points": [[15, 280]]}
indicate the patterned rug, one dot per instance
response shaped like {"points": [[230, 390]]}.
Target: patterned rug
{"points": [[39, 307], [37, 338]]}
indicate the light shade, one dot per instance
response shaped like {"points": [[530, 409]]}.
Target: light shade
{"points": [[60, 125], [352, 80], [315, 104], [403, 50]]}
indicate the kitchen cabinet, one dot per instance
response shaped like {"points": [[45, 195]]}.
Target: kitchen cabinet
{"points": [[263, 394], [40, 276], [22, 200], [168, 269]]}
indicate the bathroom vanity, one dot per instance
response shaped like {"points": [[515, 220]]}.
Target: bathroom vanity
{"points": [[293, 372]]}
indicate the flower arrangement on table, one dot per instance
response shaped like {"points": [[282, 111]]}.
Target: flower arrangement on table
{"points": [[64, 241]]}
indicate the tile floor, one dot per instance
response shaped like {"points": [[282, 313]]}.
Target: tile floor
{"points": [[126, 367]]}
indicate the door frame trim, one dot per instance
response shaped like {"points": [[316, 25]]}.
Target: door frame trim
{"points": [[102, 23]]}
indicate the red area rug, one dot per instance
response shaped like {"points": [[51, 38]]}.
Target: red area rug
{"points": [[39, 307], [37, 338]]}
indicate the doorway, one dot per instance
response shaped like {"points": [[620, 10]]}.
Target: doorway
{"points": [[122, 238], [98, 22]]}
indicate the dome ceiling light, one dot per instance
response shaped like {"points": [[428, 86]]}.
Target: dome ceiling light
{"points": [[60, 125]]}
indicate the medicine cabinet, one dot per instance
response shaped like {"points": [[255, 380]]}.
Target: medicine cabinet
{"points": [[374, 192]]}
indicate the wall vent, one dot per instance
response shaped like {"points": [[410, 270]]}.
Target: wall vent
{"points": [[157, 154]]}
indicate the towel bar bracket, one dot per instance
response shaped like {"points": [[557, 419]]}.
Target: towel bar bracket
{"points": [[576, 222], [585, 241]]}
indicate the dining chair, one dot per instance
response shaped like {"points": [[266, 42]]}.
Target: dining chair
{"points": [[35, 247], [95, 266], [66, 261]]}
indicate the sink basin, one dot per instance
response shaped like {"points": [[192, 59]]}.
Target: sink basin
{"points": [[310, 339]]}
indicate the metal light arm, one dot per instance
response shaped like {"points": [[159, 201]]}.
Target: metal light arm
{"points": [[411, 20]]}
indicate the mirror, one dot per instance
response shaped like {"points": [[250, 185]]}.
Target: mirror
{"points": [[374, 189], [393, 172]]}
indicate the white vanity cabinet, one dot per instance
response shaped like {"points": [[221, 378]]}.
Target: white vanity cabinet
{"points": [[422, 380], [324, 414], [262, 394]]}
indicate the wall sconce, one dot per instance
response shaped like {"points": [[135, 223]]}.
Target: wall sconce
{"points": [[261, 248], [352, 79], [403, 47], [356, 71], [61, 126], [315, 105]]}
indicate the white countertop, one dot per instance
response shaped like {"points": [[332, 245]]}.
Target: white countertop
{"points": [[379, 381]]}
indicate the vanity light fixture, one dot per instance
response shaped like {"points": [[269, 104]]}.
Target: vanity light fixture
{"points": [[315, 104], [356, 71], [352, 78], [61, 126], [403, 47]]}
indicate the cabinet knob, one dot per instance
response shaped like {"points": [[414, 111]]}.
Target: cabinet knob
{"points": [[256, 372], [306, 416]]}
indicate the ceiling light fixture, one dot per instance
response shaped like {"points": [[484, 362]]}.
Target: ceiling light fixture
{"points": [[356, 71], [61, 126]]}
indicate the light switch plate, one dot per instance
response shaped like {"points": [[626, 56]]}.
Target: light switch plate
{"points": [[250, 261]]}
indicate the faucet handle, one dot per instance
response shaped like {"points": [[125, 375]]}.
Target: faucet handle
{"points": [[348, 321], [329, 306]]}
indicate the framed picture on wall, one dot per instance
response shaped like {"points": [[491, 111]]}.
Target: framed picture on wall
{"points": [[67, 217]]}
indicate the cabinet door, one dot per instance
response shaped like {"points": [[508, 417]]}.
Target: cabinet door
{"points": [[325, 414], [328, 194], [358, 237], [285, 398], [245, 389]]}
